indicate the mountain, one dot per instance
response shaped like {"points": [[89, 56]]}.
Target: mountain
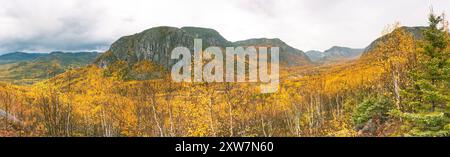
{"points": [[44, 66], [155, 45], [18, 57], [415, 31], [335, 53], [288, 55], [315, 55]]}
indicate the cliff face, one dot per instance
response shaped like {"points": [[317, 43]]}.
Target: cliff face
{"points": [[155, 45]]}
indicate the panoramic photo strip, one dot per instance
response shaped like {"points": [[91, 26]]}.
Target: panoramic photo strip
{"points": [[217, 76]]}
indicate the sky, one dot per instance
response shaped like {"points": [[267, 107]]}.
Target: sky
{"points": [[88, 25]]}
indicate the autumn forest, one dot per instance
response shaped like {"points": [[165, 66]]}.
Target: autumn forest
{"points": [[398, 87]]}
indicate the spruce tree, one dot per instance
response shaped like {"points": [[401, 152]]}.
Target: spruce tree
{"points": [[426, 100]]}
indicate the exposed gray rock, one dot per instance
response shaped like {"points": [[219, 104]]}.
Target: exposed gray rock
{"points": [[315, 55], [337, 52]]}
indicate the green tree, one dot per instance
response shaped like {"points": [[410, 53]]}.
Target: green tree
{"points": [[427, 97], [373, 108]]}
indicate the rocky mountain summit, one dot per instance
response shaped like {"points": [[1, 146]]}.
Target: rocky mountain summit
{"points": [[337, 52]]}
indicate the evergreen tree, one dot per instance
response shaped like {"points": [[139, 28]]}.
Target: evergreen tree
{"points": [[427, 97]]}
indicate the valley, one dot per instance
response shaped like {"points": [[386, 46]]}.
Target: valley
{"points": [[127, 90]]}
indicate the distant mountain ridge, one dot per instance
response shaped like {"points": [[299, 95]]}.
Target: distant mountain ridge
{"points": [[30, 68], [18, 57], [415, 31], [315, 55], [72, 59], [335, 53], [288, 55], [155, 45]]}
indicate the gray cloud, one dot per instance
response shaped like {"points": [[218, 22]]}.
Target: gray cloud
{"points": [[73, 25], [72, 34], [31, 26]]}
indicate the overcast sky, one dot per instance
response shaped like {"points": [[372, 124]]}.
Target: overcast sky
{"points": [[76, 25]]}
